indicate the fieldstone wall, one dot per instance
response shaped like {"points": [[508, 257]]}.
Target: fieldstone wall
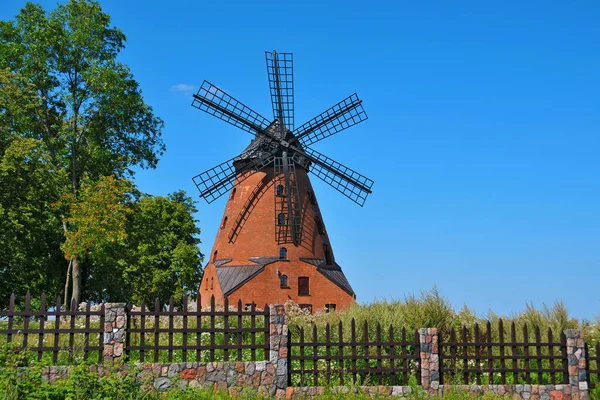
{"points": [[222, 376], [521, 392], [115, 319], [577, 364], [430, 361]]}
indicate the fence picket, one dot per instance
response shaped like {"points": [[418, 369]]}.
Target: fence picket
{"points": [[226, 331], [26, 319], [502, 360], [56, 331], [184, 318], [43, 310]]}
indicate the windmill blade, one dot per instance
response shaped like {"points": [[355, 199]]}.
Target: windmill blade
{"points": [[215, 101], [343, 115], [348, 182], [220, 179], [280, 70]]}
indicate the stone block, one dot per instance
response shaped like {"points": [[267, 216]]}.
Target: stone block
{"points": [[231, 377], [162, 384], [249, 368], [188, 374]]}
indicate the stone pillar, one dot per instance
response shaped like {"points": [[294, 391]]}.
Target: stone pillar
{"points": [[577, 364], [115, 319], [278, 355], [430, 359]]}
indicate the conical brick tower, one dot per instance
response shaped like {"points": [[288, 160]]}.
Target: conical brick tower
{"points": [[272, 245]]}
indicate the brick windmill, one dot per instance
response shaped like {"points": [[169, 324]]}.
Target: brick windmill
{"points": [[272, 245]]}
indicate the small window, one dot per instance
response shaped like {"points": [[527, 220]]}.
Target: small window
{"points": [[283, 281], [329, 307], [279, 190], [306, 307], [311, 197], [303, 286], [327, 254], [281, 219], [215, 255], [232, 195], [211, 283], [319, 225], [283, 253], [224, 223]]}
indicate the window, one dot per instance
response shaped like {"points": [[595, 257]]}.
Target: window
{"points": [[211, 283], [232, 195], [327, 254], [306, 307], [206, 286], [224, 223], [303, 287], [215, 255], [329, 307], [279, 190], [283, 253], [281, 219], [319, 225], [283, 281]]}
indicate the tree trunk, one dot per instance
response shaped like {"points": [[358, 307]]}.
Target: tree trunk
{"points": [[76, 269], [65, 304]]}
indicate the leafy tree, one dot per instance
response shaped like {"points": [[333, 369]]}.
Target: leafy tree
{"points": [[163, 244], [97, 218], [89, 111], [30, 234]]}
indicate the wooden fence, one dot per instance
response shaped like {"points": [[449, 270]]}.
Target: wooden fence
{"points": [[338, 355], [388, 358], [54, 335], [203, 335], [477, 357]]}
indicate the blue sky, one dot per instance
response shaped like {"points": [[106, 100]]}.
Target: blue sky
{"points": [[483, 132]]}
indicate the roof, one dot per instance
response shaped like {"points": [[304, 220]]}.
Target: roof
{"points": [[336, 275], [259, 146], [231, 278]]}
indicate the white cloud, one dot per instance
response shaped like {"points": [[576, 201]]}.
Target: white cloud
{"points": [[184, 88]]}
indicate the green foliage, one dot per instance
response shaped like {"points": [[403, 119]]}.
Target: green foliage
{"points": [[73, 121], [159, 258], [164, 247], [64, 87], [97, 216], [30, 233]]}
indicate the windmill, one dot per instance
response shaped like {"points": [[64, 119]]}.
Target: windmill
{"points": [[285, 152]]}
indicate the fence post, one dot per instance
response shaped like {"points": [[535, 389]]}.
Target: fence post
{"points": [[115, 319], [576, 359], [430, 359], [278, 346]]}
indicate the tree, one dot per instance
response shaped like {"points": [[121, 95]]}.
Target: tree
{"points": [[90, 113], [97, 218], [30, 234], [163, 246]]}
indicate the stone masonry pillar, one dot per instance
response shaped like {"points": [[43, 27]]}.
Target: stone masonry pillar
{"points": [[577, 364], [430, 359], [278, 355], [115, 319]]}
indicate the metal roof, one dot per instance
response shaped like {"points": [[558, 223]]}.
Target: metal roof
{"points": [[336, 275], [233, 277]]}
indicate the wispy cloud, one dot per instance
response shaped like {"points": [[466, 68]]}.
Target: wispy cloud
{"points": [[184, 88]]}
